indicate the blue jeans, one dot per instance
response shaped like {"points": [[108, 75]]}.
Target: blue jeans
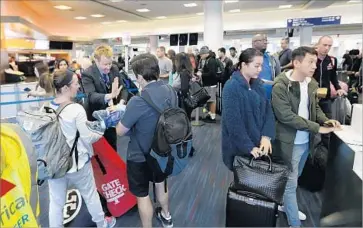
{"points": [[299, 155]]}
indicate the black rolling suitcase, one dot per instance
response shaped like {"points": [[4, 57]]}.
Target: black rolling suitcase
{"points": [[245, 209], [313, 175]]}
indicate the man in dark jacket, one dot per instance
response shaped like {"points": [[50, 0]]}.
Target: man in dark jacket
{"points": [[298, 119], [98, 81], [228, 65], [208, 72], [326, 73]]}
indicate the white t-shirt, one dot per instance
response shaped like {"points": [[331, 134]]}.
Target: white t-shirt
{"points": [[302, 137], [74, 118]]}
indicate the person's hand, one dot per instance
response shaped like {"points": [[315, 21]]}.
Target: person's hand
{"points": [[122, 101], [333, 123], [31, 94], [115, 90], [110, 103], [199, 73], [255, 152], [341, 92], [265, 146], [327, 130]]}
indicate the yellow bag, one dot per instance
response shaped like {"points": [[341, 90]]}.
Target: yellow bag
{"points": [[18, 208], [322, 92]]}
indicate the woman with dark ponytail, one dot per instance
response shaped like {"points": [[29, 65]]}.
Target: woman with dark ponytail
{"points": [[247, 120], [72, 119]]}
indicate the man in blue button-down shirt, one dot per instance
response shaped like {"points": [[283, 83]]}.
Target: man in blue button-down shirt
{"points": [[271, 65]]}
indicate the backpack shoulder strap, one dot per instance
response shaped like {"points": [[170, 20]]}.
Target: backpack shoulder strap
{"points": [[146, 97], [62, 107]]}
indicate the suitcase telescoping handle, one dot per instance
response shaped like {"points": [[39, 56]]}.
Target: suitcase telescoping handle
{"points": [[102, 167], [270, 162]]}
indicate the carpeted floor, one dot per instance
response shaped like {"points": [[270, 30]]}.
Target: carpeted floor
{"points": [[198, 195]]}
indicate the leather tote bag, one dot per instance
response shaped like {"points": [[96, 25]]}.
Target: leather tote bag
{"points": [[197, 97], [262, 177]]}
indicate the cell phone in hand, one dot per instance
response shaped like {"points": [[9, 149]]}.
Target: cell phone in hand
{"points": [[27, 89]]}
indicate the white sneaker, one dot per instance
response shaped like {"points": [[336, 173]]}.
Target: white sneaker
{"points": [[302, 216]]}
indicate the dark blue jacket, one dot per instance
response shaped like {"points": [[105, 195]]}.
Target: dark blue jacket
{"points": [[246, 117]]}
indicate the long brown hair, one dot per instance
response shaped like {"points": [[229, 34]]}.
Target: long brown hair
{"points": [[182, 62], [45, 79]]}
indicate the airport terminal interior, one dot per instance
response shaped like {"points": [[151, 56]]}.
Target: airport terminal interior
{"points": [[200, 113]]}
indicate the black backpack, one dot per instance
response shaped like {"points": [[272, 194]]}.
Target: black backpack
{"points": [[220, 68], [172, 140]]}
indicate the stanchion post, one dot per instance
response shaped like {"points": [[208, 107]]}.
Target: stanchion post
{"points": [[197, 123], [17, 97]]}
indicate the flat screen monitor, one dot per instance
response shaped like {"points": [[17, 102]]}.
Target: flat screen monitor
{"points": [[193, 39], [174, 40], [59, 45], [183, 39]]}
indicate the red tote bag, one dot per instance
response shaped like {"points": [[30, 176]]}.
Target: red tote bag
{"points": [[111, 178]]}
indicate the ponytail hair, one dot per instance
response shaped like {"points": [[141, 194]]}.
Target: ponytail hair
{"points": [[62, 78], [46, 82]]}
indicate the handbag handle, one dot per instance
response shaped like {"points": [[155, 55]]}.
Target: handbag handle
{"points": [[269, 158]]}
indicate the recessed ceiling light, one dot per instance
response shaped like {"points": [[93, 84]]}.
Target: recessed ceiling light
{"points": [[63, 7], [190, 4], [80, 18], [106, 22], [143, 10], [235, 11], [121, 21], [354, 1], [231, 1], [116, 0], [285, 6], [97, 15], [200, 14], [161, 17]]}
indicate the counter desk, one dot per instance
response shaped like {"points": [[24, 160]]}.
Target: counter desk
{"points": [[342, 194]]}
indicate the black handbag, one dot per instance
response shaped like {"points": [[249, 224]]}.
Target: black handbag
{"points": [[197, 97], [261, 177]]}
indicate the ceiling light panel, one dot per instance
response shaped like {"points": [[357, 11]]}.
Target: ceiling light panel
{"points": [[190, 5], [235, 11], [121, 21], [63, 7], [354, 1], [200, 14], [143, 10], [161, 17], [285, 6], [80, 18], [97, 15], [231, 1]]}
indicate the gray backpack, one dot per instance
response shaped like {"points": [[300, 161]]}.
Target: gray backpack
{"points": [[54, 156]]}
